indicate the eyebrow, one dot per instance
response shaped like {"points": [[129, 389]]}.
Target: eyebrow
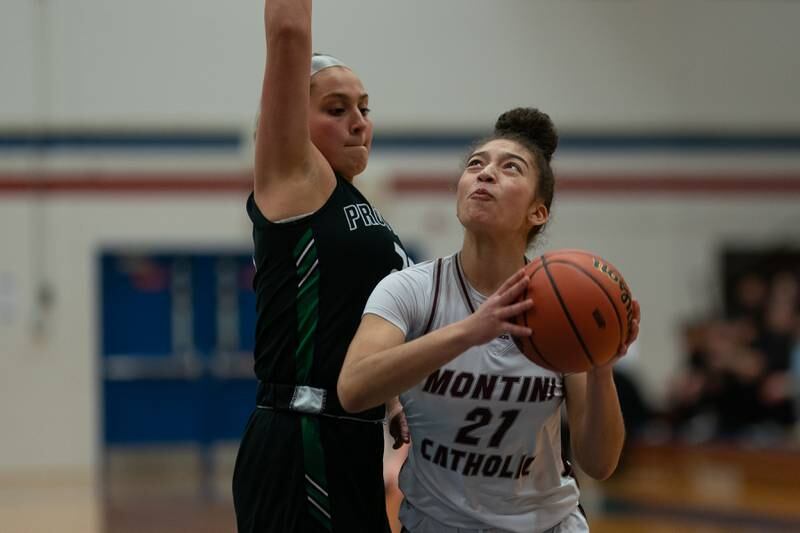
{"points": [[503, 155], [343, 96]]}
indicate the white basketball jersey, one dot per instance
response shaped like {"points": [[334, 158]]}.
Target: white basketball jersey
{"points": [[486, 427]]}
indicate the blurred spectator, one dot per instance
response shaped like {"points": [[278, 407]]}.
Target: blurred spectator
{"points": [[777, 340], [750, 297], [690, 392], [795, 382], [738, 381], [636, 411]]}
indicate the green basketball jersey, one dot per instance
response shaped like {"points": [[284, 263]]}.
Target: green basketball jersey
{"points": [[313, 278]]}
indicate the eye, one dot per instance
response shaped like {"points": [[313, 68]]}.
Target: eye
{"points": [[474, 163], [516, 166], [337, 111], [365, 111]]}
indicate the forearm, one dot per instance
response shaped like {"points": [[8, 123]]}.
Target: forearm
{"points": [[377, 377], [283, 141], [602, 430], [282, 16]]}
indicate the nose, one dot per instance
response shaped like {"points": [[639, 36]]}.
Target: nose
{"points": [[487, 175], [358, 124]]}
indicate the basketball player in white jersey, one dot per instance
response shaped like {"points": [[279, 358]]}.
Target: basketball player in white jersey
{"points": [[484, 421]]}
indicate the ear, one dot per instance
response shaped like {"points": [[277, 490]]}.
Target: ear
{"points": [[537, 214]]}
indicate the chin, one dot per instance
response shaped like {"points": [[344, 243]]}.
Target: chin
{"points": [[352, 169], [480, 223]]}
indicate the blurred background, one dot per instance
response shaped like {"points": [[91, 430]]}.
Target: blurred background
{"points": [[126, 312]]}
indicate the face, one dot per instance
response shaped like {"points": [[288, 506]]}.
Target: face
{"points": [[497, 191], [339, 120]]}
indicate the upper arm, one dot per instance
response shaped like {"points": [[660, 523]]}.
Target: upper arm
{"points": [[374, 335], [391, 316], [283, 143], [575, 386]]}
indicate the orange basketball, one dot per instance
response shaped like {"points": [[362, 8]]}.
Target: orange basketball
{"points": [[582, 311]]}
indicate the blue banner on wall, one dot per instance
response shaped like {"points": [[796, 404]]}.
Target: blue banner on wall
{"points": [[177, 335]]}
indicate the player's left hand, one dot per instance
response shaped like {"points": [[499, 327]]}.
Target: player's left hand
{"points": [[634, 331], [633, 334]]}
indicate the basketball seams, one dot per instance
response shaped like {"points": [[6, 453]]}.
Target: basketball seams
{"points": [[566, 311], [547, 364], [594, 257], [602, 288], [530, 338], [574, 296], [570, 251]]}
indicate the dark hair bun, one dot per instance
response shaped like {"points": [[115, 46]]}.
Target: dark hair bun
{"points": [[533, 125]]}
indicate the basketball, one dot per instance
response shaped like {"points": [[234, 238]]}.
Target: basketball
{"points": [[582, 311]]}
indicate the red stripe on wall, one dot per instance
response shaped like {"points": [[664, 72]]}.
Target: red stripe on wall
{"points": [[418, 184], [595, 184], [135, 183]]}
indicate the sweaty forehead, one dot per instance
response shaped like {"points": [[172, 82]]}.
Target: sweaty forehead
{"points": [[337, 80]]}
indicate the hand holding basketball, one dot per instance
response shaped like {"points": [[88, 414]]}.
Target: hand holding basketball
{"points": [[496, 315], [632, 335]]}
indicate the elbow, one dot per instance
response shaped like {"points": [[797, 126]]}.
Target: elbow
{"points": [[599, 467], [286, 32], [348, 398], [598, 464], [601, 472]]}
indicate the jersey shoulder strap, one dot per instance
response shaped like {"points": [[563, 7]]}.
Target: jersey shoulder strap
{"points": [[437, 281]]}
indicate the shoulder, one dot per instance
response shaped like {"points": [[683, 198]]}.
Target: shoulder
{"points": [[415, 277], [409, 289], [279, 197], [403, 297], [292, 213]]}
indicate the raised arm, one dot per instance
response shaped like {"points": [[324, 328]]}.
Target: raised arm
{"points": [[284, 152]]}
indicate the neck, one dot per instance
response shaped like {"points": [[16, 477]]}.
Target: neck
{"points": [[345, 178], [488, 261]]}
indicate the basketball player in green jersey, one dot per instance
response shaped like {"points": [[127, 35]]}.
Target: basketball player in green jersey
{"points": [[304, 465]]}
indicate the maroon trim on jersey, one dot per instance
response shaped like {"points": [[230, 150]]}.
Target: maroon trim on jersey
{"points": [[463, 285], [437, 282]]}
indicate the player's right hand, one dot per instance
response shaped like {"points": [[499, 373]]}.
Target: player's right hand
{"points": [[494, 316]]}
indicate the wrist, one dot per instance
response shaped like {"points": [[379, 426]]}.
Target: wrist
{"points": [[393, 412], [601, 373], [464, 335]]}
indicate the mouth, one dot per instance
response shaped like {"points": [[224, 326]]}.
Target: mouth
{"points": [[356, 144], [356, 150], [481, 194]]}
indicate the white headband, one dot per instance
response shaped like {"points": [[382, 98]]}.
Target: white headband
{"points": [[322, 61]]}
